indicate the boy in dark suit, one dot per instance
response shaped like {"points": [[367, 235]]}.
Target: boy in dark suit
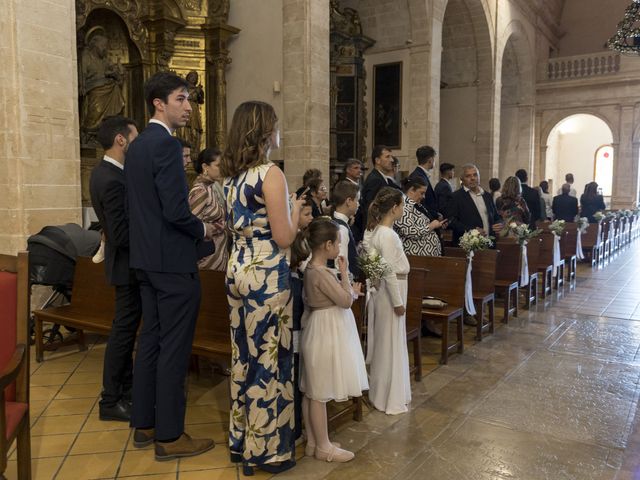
{"points": [[531, 196], [108, 199], [426, 156], [346, 198], [162, 236]]}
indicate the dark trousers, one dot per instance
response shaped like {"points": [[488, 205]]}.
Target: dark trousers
{"points": [[170, 303], [118, 357]]}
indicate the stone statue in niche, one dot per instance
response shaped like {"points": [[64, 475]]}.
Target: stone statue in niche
{"points": [[192, 131], [100, 85]]}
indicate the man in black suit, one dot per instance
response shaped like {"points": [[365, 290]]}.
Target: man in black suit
{"points": [[443, 188], [353, 171], [380, 176], [108, 199], [565, 206], [471, 207], [532, 198], [162, 237], [426, 156]]}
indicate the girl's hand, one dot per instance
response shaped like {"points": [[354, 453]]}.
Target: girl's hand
{"points": [[399, 311], [341, 263], [357, 289]]}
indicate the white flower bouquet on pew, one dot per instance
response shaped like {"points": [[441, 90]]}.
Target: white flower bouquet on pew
{"points": [[373, 266], [557, 227], [522, 232], [473, 241], [626, 213], [583, 224], [598, 216]]}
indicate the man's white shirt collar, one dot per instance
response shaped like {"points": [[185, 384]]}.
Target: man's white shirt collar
{"points": [[153, 120], [341, 216], [353, 181], [425, 171], [469, 190], [113, 161]]}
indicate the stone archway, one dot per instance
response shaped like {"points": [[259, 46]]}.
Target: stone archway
{"points": [[466, 86]]}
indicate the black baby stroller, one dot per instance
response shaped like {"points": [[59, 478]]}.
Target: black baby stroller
{"points": [[52, 261]]}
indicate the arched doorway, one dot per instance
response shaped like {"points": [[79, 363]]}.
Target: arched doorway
{"points": [[580, 144], [466, 95], [516, 107]]}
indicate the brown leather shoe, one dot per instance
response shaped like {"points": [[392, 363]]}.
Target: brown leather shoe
{"points": [[185, 446], [143, 437]]}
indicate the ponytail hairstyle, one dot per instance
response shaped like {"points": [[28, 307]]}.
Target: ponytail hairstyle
{"points": [[413, 183], [319, 231], [385, 200]]}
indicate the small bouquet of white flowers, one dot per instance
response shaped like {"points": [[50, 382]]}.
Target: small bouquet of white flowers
{"points": [[626, 213], [473, 241], [373, 266], [522, 232], [611, 215], [583, 224], [598, 216], [557, 227]]}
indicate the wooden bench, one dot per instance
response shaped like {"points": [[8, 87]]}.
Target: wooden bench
{"points": [[507, 282], [605, 242], [416, 291], [483, 278], [591, 240], [546, 255], [445, 281], [568, 246]]}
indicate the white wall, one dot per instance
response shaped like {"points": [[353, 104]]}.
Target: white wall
{"points": [[256, 55], [571, 148]]}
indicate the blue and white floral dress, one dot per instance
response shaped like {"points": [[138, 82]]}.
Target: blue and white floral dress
{"points": [[258, 288]]}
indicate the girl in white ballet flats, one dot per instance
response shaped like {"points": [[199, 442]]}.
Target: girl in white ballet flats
{"points": [[332, 360]]}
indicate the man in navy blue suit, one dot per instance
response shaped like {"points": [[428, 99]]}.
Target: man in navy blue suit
{"points": [[426, 156], [163, 236]]}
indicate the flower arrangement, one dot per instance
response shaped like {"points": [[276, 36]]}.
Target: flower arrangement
{"points": [[611, 215], [373, 266], [626, 213], [473, 241], [583, 224], [598, 216], [557, 227], [522, 232]]}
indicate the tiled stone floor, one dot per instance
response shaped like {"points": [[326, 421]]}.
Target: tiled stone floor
{"points": [[553, 395]]}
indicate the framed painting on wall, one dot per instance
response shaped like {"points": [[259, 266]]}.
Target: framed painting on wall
{"points": [[387, 105]]}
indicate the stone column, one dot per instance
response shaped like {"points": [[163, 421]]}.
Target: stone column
{"points": [[39, 140], [306, 84], [625, 169]]}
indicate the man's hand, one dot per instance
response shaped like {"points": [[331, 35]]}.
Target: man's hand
{"points": [[497, 227], [399, 310]]}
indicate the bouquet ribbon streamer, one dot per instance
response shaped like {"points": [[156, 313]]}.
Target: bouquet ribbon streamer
{"points": [[579, 254], [468, 288], [556, 254], [524, 266]]}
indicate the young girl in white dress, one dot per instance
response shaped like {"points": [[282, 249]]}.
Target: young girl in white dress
{"points": [[333, 365], [390, 385]]}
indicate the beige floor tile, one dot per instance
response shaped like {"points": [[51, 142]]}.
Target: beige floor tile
{"points": [[205, 414], [79, 378], [43, 379], [36, 407], [216, 458], [94, 424], [219, 431], [57, 366], [217, 474], [51, 445], [71, 406], [159, 476], [85, 390], [41, 468], [58, 425], [44, 393], [100, 442], [142, 462], [92, 466]]}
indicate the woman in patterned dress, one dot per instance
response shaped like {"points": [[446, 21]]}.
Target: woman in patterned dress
{"points": [[207, 202], [510, 205], [258, 290]]}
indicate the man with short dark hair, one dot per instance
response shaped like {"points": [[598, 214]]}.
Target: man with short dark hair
{"points": [[107, 187], [531, 196], [187, 164], [163, 236], [381, 176], [568, 178], [564, 206], [353, 171], [426, 156], [443, 189]]}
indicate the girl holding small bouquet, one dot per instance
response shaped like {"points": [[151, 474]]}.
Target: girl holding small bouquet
{"points": [[390, 385], [333, 365]]}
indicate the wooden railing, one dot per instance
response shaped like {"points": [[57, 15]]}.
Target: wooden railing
{"points": [[583, 66]]}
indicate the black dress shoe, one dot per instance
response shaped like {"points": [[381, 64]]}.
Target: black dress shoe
{"points": [[120, 412]]}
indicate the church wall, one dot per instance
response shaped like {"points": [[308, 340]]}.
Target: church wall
{"points": [[257, 57], [39, 153]]}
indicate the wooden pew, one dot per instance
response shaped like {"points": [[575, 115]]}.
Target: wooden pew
{"points": [[605, 242], [508, 276], [591, 240], [546, 255], [568, 245], [483, 278], [544, 261], [417, 290], [445, 281]]}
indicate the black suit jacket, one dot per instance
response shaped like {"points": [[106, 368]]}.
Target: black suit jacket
{"points": [[108, 199], [430, 202], [565, 207], [372, 185], [162, 229], [532, 197], [443, 193], [463, 214]]}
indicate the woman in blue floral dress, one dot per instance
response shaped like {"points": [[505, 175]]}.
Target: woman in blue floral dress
{"points": [[258, 290]]}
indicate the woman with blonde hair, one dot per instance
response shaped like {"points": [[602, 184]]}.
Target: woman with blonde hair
{"points": [[263, 225], [510, 205]]}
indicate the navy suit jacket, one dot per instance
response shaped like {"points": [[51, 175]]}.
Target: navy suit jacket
{"points": [[443, 193], [430, 202], [463, 214], [532, 198], [162, 229], [108, 199], [565, 207], [372, 185]]}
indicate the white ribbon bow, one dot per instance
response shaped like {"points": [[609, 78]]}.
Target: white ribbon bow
{"points": [[556, 253], [579, 253], [468, 288], [524, 266], [370, 307]]}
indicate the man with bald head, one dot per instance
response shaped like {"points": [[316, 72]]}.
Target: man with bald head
{"points": [[564, 206]]}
